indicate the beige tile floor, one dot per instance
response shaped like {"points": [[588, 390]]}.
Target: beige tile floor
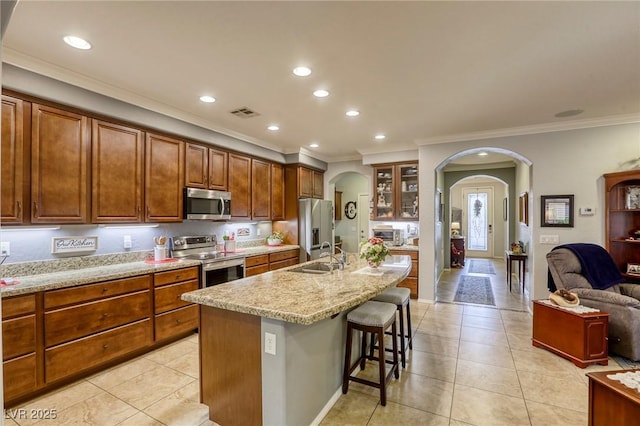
{"points": [[470, 365]]}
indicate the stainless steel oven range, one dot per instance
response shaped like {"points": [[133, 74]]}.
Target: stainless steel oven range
{"points": [[217, 266]]}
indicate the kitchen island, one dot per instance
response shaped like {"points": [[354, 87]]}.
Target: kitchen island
{"points": [[299, 319]]}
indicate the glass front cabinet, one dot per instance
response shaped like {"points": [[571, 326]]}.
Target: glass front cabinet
{"points": [[396, 192]]}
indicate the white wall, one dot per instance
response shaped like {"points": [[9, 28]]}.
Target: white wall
{"points": [[564, 162], [350, 184]]}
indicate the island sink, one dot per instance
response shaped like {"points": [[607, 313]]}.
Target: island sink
{"points": [[314, 268]]}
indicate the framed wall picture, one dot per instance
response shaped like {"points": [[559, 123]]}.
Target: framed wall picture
{"points": [[556, 210], [523, 208]]}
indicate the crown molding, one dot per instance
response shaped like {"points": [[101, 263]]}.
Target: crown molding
{"points": [[534, 129]]}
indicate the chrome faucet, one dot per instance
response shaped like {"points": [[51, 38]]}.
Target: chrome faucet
{"points": [[343, 256]]}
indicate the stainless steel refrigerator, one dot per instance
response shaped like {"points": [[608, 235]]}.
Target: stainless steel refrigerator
{"points": [[315, 222]]}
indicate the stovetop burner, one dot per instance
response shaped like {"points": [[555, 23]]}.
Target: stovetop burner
{"points": [[202, 248]]}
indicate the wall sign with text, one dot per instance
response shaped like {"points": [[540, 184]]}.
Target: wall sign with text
{"points": [[61, 245]]}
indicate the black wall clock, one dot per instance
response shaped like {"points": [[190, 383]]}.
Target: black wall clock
{"points": [[350, 210]]}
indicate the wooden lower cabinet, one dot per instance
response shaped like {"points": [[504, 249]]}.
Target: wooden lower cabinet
{"points": [[411, 282], [174, 316], [53, 337], [73, 357], [282, 259], [176, 322], [255, 265]]}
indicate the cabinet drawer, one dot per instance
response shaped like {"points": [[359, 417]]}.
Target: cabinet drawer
{"points": [[85, 293], [78, 321], [411, 284], [170, 277], [411, 253], [19, 305], [283, 255], [256, 260], [18, 336], [282, 264], [256, 270], [168, 297], [19, 376], [73, 357], [177, 321]]}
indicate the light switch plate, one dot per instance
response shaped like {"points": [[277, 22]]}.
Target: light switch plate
{"points": [[5, 248], [127, 241], [587, 211], [270, 343], [549, 239]]}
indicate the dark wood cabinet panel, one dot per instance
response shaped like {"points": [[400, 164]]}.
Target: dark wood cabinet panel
{"points": [[196, 166], [411, 282], [396, 189], [205, 167], [318, 184], [117, 162], [19, 376], [218, 161], [240, 186], [164, 178], [170, 277], [177, 322], [86, 293], [20, 335], [168, 297], [59, 167], [277, 191], [13, 155], [260, 190], [305, 182], [70, 358], [71, 323]]}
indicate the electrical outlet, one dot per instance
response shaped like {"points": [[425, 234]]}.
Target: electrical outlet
{"points": [[258, 232], [127, 241], [5, 248], [270, 343], [549, 239]]}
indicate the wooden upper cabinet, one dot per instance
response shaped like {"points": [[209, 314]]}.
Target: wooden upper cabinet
{"points": [[305, 182], [117, 171], [318, 184], [218, 161], [260, 190], [206, 167], [59, 167], [164, 178], [240, 186], [277, 191], [13, 202], [196, 166]]}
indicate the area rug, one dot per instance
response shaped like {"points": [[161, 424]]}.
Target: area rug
{"points": [[477, 266], [473, 289], [625, 363]]}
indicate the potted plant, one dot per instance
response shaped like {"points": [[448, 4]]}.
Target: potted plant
{"points": [[374, 251], [275, 239]]}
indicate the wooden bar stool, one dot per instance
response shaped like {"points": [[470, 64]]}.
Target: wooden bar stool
{"points": [[371, 317], [400, 297]]}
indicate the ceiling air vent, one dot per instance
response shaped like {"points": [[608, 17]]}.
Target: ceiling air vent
{"points": [[244, 112]]}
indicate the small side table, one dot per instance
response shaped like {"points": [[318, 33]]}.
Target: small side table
{"points": [[610, 402], [521, 258]]}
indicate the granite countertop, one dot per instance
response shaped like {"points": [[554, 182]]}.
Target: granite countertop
{"points": [[258, 250], [300, 297], [409, 247], [33, 283]]}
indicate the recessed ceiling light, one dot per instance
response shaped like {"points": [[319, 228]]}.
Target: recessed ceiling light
{"points": [[207, 99], [314, 145], [302, 71], [321, 93], [380, 136], [77, 42], [352, 113], [483, 154], [274, 127], [569, 113]]}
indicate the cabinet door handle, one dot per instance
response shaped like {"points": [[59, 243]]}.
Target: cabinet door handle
{"points": [[35, 208], [105, 315], [105, 289], [178, 321], [19, 205], [138, 209], [204, 179], [105, 346], [178, 276], [148, 211]]}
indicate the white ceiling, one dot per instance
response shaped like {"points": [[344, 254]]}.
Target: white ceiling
{"points": [[419, 72]]}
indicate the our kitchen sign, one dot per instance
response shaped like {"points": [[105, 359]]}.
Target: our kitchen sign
{"points": [[61, 245]]}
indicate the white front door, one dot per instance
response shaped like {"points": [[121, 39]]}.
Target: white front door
{"points": [[478, 221]]}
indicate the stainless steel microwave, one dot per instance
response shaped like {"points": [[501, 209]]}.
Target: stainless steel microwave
{"points": [[394, 237], [205, 204]]}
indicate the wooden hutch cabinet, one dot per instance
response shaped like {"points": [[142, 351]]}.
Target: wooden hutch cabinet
{"points": [[622, 220], [205, 167], [396, 189]]}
